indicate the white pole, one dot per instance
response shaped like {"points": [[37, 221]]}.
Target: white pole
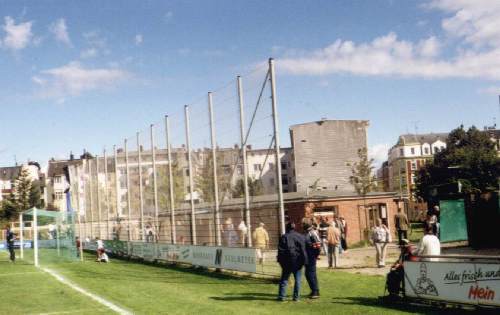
{"points": [[117, 186], [78, 214], [191, 182], [141, 198], [245, 165], [106, 193], [98, 195], [218, 239], [127, 181], [155, 186], [58, 245], [171, 182], [91, 204], [21, 246], [277, 146], [35, 236]]}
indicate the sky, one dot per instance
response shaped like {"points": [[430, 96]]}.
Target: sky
{"points": [[80, 75]]}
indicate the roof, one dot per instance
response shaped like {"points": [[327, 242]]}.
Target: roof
{"points": [[56, 167], [9, 173], [422, 138], [320, 122]]}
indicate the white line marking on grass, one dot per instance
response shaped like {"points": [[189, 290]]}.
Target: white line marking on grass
{"points": [[97, 298], [67, 312]]}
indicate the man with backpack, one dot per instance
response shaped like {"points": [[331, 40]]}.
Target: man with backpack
{"points": [[313, 248], [291, 257]]}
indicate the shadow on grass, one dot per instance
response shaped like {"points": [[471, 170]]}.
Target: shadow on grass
{"points": [[159, 272], [249, 296], [400, 305]]}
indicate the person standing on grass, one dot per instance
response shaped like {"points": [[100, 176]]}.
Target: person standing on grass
{"points": [[10, 237], [100, 248], [78, 246], [261, 241], [334, 236], [291, 257], [380, 238], [313, 248], [401, 222]]}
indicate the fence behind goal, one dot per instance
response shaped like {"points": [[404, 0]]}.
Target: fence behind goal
{"points": [[209, 174]]}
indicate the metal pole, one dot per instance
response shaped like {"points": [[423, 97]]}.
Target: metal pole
{"points": [[245, 164], [171, 181], [35, 236], [106, 192], [155, 186], [127, 182], [91, 204], [218, 238], [79, 213], [117, 187], [98, 195], [21, 249], [277, 146], [191, 182], [141, 197]]}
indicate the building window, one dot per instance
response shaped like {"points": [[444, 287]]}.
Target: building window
{"points": [[442, 148], [426, 150], [187, 171], [59, 195], [284, 166], [240, 170], [401, 152], [413, 165], [58, 179], [284, 180], [436, 149], [257, 167], [412, 150]]}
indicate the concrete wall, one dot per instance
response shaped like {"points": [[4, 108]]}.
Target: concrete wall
{"points": [[322, 150]]}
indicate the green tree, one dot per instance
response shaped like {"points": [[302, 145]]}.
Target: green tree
{"points": [[470, 161], [35, 195], [204, 180], [163, 186], [363, 180], [22, 190], [255, 188]]}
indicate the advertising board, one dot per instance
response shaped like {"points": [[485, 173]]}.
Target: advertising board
{"points": [[460, 282]]}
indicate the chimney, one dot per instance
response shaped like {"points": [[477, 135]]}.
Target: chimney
{"points": [[71, 156]]}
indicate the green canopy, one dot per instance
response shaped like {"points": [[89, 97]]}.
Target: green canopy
{"points": [[44, 213]]}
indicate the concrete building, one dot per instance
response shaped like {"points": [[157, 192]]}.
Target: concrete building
{"points": [[57, 184], [322, 151]]}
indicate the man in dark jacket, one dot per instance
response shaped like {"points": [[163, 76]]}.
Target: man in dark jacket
{"points": [[10, 237], [291, 257], [313, 248]]}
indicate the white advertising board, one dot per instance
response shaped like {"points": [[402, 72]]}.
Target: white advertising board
{"points": [[467, 282]]}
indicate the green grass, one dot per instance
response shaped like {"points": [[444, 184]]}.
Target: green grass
{"points": [[153, 289]]}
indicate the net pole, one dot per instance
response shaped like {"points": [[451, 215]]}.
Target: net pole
{"points": [[117, 187], [155, 185], [106, 192], [170, 181], [218, 238], [277, 146], [191, 181], [141, 196], [127, 182], [58, 245], [21, 249], [79, 212], [98, 196], [35, 236], [244, 159], [91, 204]]}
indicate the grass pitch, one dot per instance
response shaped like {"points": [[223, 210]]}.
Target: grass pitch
{"points": [[149, 289]]}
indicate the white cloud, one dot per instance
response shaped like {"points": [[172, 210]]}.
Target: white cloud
{"points": [[138, 39], [476, 24], [18, 36], [378, 153], [89, 53], [73, 79], [60, 31]]}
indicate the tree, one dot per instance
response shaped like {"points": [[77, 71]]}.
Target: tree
{"points": [[469, 164], [35, 195], [362, 178], [204, 181], [163, 186], [22, 190], [255, 187]]}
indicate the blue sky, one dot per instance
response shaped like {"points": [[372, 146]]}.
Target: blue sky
{"points": [[88, 74]]}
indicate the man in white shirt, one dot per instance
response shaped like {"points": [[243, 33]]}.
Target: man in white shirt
{"points": [[429, 245]]}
